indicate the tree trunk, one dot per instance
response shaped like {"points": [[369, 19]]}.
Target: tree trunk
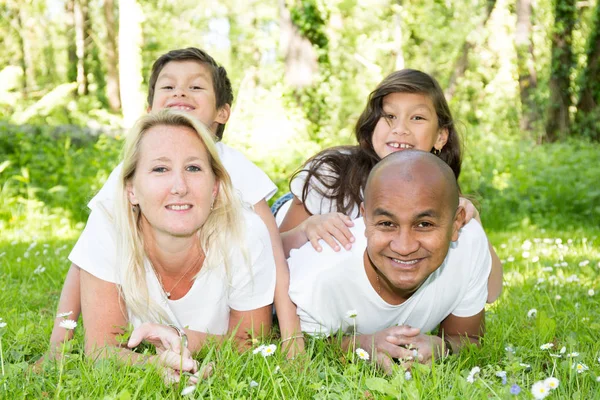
{"points": [[462, 62], [112, 71], [300, 56], [557, 122], [398, 39], [23, 60], [130, 61], [80, 11], [71, 46], [526, 65], [588, 106]]}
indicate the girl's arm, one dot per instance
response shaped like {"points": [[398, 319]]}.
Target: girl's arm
{"points": [[497, 272], [289, 323], [299, 227]]}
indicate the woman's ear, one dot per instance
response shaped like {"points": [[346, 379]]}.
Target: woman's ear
{"points": [[131, 193], [442, 139]]}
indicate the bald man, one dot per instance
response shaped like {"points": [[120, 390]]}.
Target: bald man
{"points": [[411, 270]]}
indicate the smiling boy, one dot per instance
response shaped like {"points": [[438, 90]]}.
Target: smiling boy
{"points": [[409, 271]]}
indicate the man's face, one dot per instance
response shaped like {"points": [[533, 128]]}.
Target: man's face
{"points": [[188, 86], [409, 227]]}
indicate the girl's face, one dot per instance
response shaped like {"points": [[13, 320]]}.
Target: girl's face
{"points": [[409, 121]]}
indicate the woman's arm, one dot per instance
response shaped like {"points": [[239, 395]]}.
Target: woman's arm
{"points": [[69, 302], [289, 323], [105, 319]]}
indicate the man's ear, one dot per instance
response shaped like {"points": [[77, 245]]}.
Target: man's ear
{"points": [[442, 139], [131, 194], [149, 109], [459, 222], [223, 114]]}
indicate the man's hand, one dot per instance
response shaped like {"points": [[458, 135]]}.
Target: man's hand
{"points": [[382, 348], [417, 347]]}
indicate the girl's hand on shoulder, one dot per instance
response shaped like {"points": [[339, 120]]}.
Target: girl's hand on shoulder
{"points": [[329, 227], [470, 210]]}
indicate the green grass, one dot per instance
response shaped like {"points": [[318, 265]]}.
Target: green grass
{"points": [[559, 263]]}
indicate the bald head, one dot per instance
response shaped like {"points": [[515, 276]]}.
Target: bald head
{"points": [[414, 168]]}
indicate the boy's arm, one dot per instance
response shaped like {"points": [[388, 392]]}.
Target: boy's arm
{"points": [[289, 323], [496, 276]]}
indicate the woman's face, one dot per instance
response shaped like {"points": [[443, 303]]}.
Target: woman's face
{"points": [[409, 121], [174, 184]]}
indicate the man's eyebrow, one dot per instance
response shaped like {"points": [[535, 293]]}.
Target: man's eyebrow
{"points": [[171, 76], [428, 213], [382, 212]]}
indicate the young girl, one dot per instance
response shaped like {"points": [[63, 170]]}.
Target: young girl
{"points": [[407, 110]]}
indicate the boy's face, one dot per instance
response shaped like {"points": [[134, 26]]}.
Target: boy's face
{"points": [[188, 86]]}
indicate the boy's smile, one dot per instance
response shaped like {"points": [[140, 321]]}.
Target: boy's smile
{"points": [[188, 86]]}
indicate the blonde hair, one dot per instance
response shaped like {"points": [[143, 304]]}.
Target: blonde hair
{"points": [[223, 229]]}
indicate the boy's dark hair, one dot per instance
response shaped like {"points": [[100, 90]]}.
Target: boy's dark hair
{"points": [[220, 80], [341, 172]]}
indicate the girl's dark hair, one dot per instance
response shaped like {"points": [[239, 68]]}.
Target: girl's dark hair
{"points": [[351, 165]]}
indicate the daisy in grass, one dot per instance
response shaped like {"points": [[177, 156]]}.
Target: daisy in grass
{"points": [[351, 314], [68, 324], [573, 354], [259, 349], [362, 354], [64, 314], [188, 390], [269, 350], [471, 377], [540, 390], [2, 324], [547, 346], [551, 382], [580, 367], [591, 292], [531, 313]]}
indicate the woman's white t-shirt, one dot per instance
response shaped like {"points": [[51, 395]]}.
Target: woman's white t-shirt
{"points": [[96, 251]]}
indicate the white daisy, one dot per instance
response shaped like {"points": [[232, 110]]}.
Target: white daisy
{"points": [[580, 367], [268, 350], [362, 354], [531, 313], [552, 382], [188, 390], [68, 324], [547, 346], [351, 314], [540, 390]]}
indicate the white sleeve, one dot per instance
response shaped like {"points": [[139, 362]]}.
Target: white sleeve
{"points": [[96, 250], [253, 286], [315, 202], [253, 184], [479, 260], [108, 193]]}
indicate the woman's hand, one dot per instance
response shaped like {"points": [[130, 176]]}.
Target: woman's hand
{"points": [[470, 210], [329, 227], [172, 354]]}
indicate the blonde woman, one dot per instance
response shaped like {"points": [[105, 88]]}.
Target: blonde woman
{"points": [[193, 263]]}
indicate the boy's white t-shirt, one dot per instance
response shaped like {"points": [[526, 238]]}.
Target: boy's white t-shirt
{"points": [[325, 286], [206, 306]]}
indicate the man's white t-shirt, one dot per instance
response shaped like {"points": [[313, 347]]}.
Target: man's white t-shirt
{"points": [[325, 286], [206, 306]]}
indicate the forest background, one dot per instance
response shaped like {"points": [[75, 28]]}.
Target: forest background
{"points": [[522, 77], [523, 81]]}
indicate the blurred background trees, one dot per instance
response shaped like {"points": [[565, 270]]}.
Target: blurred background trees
{"points": [[518, 73]]}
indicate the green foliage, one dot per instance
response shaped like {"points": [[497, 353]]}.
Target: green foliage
{"points": [[550, 271], [50, 174]]}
